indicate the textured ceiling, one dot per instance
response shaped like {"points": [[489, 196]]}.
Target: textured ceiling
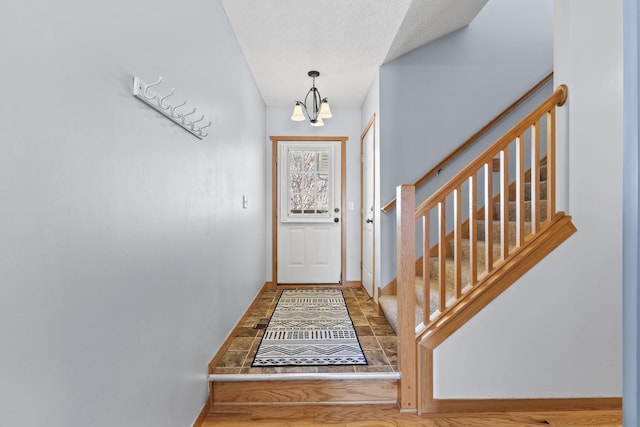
{"points": [[346, 40]]}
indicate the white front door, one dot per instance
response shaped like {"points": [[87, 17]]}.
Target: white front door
{"points": [[309, 200], [367, 209]]}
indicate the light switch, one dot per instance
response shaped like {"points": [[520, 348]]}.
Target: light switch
{"points": [[245, 202], [350, 206]]}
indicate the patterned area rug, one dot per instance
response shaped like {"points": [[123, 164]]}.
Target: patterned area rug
{"points": [[310, 328]]}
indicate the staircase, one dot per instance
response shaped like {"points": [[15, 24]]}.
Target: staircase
{"points": [[388, 300], [479, 233]]}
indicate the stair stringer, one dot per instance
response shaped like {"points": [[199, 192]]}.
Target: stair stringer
{"points": [[492, 285]]}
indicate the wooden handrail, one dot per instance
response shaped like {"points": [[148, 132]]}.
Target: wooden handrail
{"points": [[437, 168], [557, 99]]}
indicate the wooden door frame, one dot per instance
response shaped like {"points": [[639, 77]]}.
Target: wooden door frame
{"points": [[369, 127], [343, 199]]}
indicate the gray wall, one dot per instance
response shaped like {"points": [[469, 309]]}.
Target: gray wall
{"points": [[345, 122], [435, 97], [630, 215], [125, 255], [557, 332]]}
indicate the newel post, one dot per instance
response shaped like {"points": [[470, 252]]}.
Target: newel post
{"points": [[406, 273]]}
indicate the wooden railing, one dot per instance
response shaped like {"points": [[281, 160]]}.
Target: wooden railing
{"points": [[456, 223], [475, 137]]}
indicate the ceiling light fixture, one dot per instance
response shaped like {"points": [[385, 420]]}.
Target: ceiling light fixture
{"points": [[319, 106]]}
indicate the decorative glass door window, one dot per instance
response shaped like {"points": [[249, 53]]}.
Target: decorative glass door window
{"points": [[308, 182]]}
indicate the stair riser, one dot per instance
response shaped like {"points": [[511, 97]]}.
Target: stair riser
{"points": [[450, 271], [527, 210], [497, 232], [527, 191], [543, 174], [308, 392], [435, 295], [480, 249]]}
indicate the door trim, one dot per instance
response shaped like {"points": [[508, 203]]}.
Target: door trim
{"points": [[369, 127], [274, 199]]}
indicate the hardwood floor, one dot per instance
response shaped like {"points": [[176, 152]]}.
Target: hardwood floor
{"points": [[363, 415]]}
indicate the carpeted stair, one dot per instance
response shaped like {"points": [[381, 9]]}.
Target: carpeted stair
{"points": [[388, 303]]}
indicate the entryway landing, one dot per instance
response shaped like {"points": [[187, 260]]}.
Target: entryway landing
{"points": [[233, 381], [376, 337]]}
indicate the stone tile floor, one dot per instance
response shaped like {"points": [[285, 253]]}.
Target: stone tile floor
{"points": [[376, 337]]}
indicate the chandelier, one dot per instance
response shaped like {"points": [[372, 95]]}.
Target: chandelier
{"points": [[316, 108]]}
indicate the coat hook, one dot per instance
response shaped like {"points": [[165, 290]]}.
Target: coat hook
{"points": [[161, 100], [188, 114], [173, 111], [146, 90], [203, 134], [196, 121]]}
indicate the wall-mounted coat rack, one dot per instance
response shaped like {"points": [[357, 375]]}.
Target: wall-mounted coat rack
{"points": [[159, 103]]}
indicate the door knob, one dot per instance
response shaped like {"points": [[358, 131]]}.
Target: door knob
{"points": [[336, 219], [369, 221]]}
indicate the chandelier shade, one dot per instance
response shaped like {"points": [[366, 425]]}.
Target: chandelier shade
{"points": [[316, 108], [298, 115], [325, 111]]}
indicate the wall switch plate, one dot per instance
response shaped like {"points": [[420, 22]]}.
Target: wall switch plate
{"points": [[245, 202]]}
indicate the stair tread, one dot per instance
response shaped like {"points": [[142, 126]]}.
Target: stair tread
{"points": [[389, 306]]}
